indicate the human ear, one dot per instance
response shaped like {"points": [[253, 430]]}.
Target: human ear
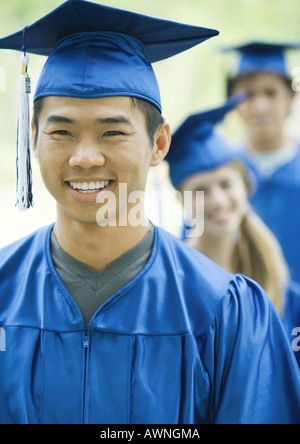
{"points": [[162, 140], [34, 135]]}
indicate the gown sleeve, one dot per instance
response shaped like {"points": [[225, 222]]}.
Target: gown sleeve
{"points": [[254, 374]]}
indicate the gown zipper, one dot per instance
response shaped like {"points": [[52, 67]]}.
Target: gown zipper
{"points": [[85, 346]]}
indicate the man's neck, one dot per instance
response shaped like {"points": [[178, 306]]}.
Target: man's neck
{"points": [[96, 246]]}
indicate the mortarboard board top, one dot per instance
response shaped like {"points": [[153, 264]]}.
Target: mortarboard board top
{"points": [[157, 39], [161, 38]]}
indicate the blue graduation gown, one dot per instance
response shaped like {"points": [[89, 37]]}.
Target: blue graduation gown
{"points": [[183, 342], [290, 310], [277, 201], [291, 317]]}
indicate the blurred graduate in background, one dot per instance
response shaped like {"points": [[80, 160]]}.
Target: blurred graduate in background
{"points": [[202, 159], [269, 151]]}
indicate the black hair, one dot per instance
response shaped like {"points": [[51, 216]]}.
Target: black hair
{"points": [[152, 115]]}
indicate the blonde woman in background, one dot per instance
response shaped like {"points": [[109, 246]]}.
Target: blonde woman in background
{"points": [[234, 237]]}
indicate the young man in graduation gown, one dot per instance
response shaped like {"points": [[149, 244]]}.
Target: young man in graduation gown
{"points": [[269, 150], [116, 323]]}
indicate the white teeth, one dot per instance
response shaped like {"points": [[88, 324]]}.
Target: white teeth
{"points": [[89, 187]]}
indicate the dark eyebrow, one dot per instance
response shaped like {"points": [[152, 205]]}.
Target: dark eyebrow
{"points": [[118, 119], [59, 119], [107, 120]]}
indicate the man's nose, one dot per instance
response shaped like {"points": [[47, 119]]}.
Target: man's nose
{"points": [[87, 154]]}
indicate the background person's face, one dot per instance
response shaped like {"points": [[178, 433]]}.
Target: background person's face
{"points": [[265, 112], [225, 199]]}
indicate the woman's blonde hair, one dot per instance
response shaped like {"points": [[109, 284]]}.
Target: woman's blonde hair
{"points": [[258, 254]]}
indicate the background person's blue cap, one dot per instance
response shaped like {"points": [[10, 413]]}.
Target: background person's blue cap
{"points": [[196, 146], [96, 50], [261, 57]]}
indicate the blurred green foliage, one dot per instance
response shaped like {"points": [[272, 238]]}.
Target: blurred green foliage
{"points": [[190, 81]]}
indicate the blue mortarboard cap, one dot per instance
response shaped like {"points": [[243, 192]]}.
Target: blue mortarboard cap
{"points": [[196, 146], [262, 57], [93, 51], [96, 50]]}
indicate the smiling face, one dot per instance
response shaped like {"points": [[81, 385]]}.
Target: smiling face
{"points": [[225, 199], [87, 147], [265, 111]]}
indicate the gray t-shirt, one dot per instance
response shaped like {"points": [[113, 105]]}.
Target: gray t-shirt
{"points": [[91, 289]]}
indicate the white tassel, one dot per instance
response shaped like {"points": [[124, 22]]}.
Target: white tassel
{"points": [[24, 180]]}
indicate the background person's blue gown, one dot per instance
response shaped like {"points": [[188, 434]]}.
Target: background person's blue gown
{"points": [[183, 342], [291, 317], [277, 201]]}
